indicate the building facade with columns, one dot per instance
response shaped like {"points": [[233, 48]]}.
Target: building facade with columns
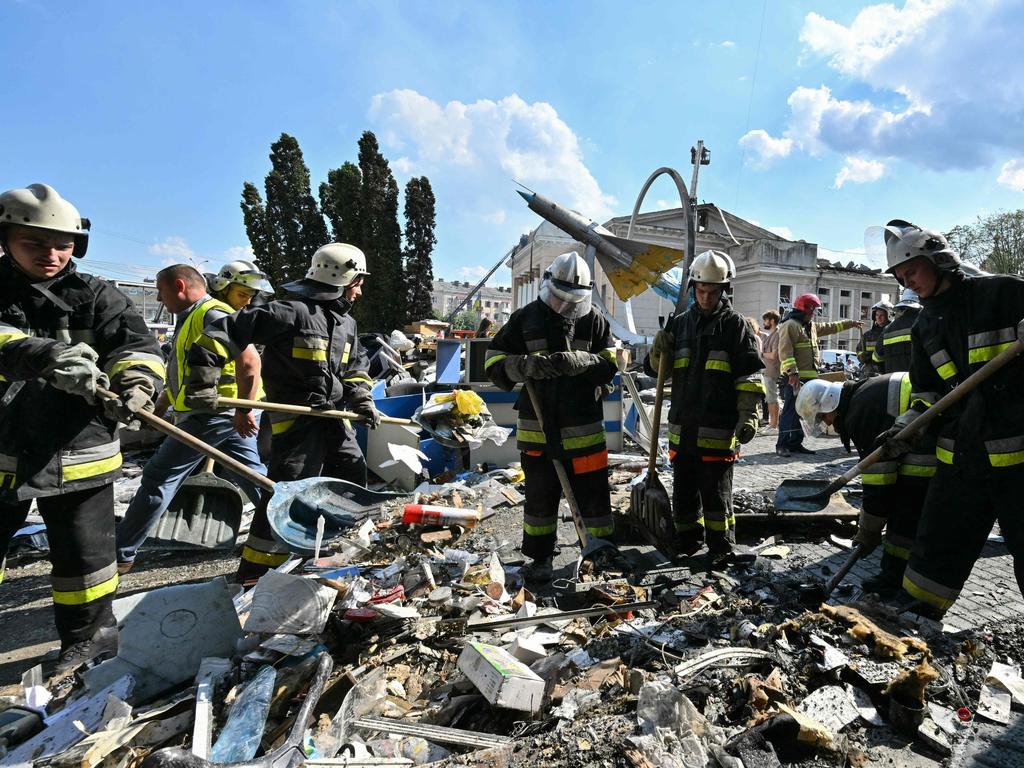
{"points": [[770, 271]]}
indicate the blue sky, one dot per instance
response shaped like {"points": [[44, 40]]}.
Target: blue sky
{"points": [[149, 116]]}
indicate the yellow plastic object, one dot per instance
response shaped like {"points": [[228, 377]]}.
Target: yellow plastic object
{"points": [[468, 402]]}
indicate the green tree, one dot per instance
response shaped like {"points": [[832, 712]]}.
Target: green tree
{"points": [[419, 245], [286, 230], [383, 305], [994, 242], [466, 320], [340, 199]]}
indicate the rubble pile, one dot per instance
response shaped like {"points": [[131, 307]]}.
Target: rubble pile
{"points": [[413, 640]]}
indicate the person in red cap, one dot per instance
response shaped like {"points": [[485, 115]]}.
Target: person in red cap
{"points": [[799, 360]]}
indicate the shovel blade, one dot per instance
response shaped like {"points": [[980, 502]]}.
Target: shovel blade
{"points": [[802, 496]]}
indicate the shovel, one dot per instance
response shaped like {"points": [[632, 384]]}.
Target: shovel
{"points": [[305, 410], [819, 593], [649, 502], [205, 513], [589, 545], [292, 500], [788, 501]]}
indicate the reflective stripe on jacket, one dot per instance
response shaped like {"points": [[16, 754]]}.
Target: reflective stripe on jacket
{"points": [[798, 348], [185, 336], [894, 351]]}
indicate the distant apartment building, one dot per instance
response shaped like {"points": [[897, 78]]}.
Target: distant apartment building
{"points": [[494, 302], [770, 271]]}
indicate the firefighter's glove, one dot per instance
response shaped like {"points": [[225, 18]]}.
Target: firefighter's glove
{"points": [[361, 403], [135, 392], [664, 344], [573, 363], [201, 388], [523, 367], [892, 447], [746, 426], [73, 370], [869, 530]]}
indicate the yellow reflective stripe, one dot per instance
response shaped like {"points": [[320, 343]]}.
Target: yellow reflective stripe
{"points": [[984, 354], [875, 357], [273, 559], [878, 478], [309, 354], [789, 362], [91, 468], [529, 436], [684, 527], [539, 530], [357, 376], [345, 352], [895, 339], [492, 360], [87, 595], [609, 355], [916, 470], [920, 400], [714, 443], [903, 553], [916, 590], [158, 368], [720, 525], [718, 365], [214, 346], [943, 455], [278, 427], [570, 443], [681, 362], [947, 371], [602, 531], [12, 336], [750, 386], [808, 374], [1006, 459]]}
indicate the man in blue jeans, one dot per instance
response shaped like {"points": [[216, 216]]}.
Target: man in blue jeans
{"points": [[182, 290]]}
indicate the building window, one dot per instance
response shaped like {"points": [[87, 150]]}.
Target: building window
{"points": [[785, 296], [844, 311], [844, 294], [841, 344], [865, 295]]}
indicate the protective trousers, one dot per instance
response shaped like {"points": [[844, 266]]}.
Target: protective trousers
{"points": [[702, 500], [904, 501], [80, 529], [543, 493], [309, 446], [958, 515], [791, 434]]}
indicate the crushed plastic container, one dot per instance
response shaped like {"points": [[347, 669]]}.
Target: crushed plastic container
{"points": [[241, 735]]}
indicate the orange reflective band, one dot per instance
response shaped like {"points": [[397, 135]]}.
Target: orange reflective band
{"points": [[595, 461], [671, 455], [534, 453], [729, 459]]}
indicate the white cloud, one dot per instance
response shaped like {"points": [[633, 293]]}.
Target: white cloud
{"points": [[766, 148], [663, 205], [728, 44], [495, 217], [238, 252], [857, 170], [946, 88], [173, 250], [472, 152], [475, 274], [1012, 174], [784, 232]]}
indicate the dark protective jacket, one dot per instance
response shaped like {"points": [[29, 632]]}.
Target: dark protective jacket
{"points": [[893, 353], [956, 333], [715, 362], [311, 351], [571, 405], [868, 343], [52, 442]]}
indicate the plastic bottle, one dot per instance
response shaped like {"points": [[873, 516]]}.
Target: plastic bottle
{"points": [[425, 514], [240, 737]]}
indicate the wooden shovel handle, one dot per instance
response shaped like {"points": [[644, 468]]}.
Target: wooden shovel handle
{"points": [[305, 410], [659, 397]]}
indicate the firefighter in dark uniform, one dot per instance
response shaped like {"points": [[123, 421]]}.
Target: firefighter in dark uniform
{"points": [[311, 357], [63, 333], [716, 391], [564, 346], [881, 314], [894, 488], [965, 322], [892, 354]]}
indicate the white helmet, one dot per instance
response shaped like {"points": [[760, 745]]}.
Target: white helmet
{"points": [[712, 267], [883, 305], [567, 286], [40, 206], [817, 396], [905, 241], [909, 300], [337, 264], [243, 273]]}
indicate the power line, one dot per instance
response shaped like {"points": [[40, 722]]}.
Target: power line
{"points": [[750, 103]]}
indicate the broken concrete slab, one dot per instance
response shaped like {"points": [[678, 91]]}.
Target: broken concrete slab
{"points": [[286, 604]]}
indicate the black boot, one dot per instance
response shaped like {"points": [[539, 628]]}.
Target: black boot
{"points": [[539, 571], [102, 645], [884, 584]]}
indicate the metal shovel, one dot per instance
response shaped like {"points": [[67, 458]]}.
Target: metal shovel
{"points": [[589, 545], [788, 501], [649, 501]]}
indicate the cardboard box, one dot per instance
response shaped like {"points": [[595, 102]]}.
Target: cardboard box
{"points": [[503, 680]]}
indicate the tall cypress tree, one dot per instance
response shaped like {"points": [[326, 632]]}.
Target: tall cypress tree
{"points": [[292, 225], [340, 200], [382, 307], [419, 244]]}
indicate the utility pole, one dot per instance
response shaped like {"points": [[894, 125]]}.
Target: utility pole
{"points": [[699, 156]]}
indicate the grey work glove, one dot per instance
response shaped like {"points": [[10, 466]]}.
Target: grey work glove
{"points": [[523, 367], [892, 447], [135, 391], [573, 363], [664, 344], [869, 530], [73, 369], [201, 388], [361, 403], [746, 426]]}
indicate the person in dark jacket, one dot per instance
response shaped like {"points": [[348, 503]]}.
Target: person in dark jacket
{"points": [[871, 339], [965, 322], [895, 488], [563, 346], [311, 357], [716, 390], [892, 354], [63, 335]]}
